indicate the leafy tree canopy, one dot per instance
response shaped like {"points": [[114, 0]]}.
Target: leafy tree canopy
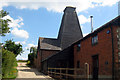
{"points": [[11, 46], [32, 54], [4, 23], [33, 50]]}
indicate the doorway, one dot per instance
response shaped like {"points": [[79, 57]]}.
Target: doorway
{"points": [[95, 67]]}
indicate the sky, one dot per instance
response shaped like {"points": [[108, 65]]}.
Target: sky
{"points": [[42, 18]]}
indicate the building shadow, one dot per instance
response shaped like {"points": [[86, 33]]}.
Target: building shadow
{"points": [[31, 70]]}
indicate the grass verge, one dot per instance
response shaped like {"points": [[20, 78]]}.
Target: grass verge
{"points": [[22, 60]]}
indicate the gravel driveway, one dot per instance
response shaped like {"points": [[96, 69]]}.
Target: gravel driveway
{"points": [[31, 73]]}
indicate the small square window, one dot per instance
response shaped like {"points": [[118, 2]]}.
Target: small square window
{"points": [[95, 40], [106, 62], [78, 47]]}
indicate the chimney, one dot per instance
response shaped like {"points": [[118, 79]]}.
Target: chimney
{"points": [[91, 17]]}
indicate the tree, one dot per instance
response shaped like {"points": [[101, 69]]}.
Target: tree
{"points": [[4, 23], [11, 46], [33, 50], [32, 54]]}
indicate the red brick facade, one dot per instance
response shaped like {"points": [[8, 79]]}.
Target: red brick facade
{"points": [[103, 49], [37, 62]]}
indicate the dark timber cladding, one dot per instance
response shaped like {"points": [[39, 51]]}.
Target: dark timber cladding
{"points": [[70, 30], [58, 51], [62, 59]]}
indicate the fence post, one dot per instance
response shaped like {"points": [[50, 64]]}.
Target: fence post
{"points": [[48, 72], [86, 71], [66, 73], [60, 74], [55, 72], [51, 72], [75, 71]]}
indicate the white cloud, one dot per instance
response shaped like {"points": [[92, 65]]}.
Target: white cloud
{"points": [[30, 45], [21, 42], [3, 4], [20, 33], [58, 5], [17, 42], [21, 23], [19, 57], [14, 22], [83, 19], [105, 2]]}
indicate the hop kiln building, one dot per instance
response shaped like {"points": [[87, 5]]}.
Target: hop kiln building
{"points": [[100, 49]]}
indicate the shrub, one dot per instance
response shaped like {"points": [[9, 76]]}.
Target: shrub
{"points": [[8, 62], [28, 63]]}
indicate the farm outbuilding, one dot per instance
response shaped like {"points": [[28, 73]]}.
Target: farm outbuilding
{"points": [[99, 50]]}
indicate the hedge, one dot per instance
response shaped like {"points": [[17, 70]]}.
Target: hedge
{"points": [[8, 63]]}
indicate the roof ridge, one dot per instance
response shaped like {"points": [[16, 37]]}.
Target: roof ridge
{"points": [[98, 29], [47, 38]]}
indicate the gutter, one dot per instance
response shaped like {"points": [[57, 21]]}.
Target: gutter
{"points": [[113, 75]]}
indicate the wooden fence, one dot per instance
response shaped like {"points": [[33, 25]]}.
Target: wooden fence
{"points": [[66, 73]]}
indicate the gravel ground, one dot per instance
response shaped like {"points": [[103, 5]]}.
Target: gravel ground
{"points": [[25, 72]]}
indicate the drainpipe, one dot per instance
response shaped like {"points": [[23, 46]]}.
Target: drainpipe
{"points": [[113, 75]]}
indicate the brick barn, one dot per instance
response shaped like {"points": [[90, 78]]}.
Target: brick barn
{"points": [[101, 50]]}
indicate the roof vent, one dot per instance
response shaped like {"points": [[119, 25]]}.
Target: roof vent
{"points": [[69, 9]]}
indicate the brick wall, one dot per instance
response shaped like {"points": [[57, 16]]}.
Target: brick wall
{"points": [[38, 62], [103, 49], [45, 54]]}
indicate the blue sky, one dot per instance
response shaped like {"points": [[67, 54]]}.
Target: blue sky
{"points": [[31, 20]]}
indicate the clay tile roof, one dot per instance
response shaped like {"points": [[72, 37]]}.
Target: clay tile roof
{"points": [[49, 44]]}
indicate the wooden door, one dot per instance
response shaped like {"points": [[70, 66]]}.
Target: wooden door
{"points": [[95, 67]]}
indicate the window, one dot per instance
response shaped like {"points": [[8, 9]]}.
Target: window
{"points": [[106, 62], [108, 31], [95, 40], [78, 47], [78, 64]]}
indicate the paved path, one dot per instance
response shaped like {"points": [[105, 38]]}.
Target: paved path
{"points": [[27, 72]]}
